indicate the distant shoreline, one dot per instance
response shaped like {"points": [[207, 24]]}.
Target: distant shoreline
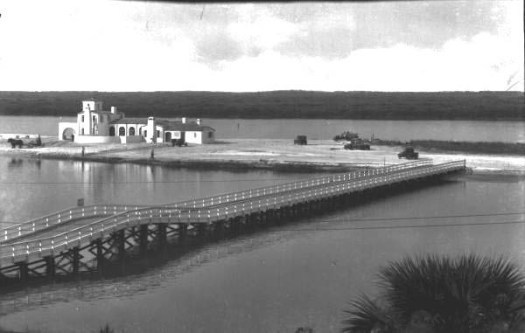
{"points": [[487, 105]]}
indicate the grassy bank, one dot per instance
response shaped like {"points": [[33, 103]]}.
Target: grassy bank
{"points": [[493, 148], [231, 165], [279, 104]]}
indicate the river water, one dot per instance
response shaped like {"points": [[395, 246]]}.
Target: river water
{"points": [[458, 130], [298, 274]]}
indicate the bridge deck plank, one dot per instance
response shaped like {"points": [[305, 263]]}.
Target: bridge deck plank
{"points": [[56, 230]]}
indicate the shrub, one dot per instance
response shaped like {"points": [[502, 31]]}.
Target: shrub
{"points": [[440, 294]]}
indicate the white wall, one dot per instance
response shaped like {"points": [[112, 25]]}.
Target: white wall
{"points": [[193, 137], [131, 139], [197, 137], [85, 139], [160, 137]]}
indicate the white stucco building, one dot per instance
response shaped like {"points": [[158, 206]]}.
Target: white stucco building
{"points": [[94, 125]]}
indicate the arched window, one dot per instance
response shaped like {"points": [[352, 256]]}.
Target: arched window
{"points": [[112, 131], [132, 131], [122, 131], [68, 134]]}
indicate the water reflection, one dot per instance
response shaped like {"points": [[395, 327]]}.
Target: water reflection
{"points": [[58, 184], [15, 163], [130, 283]]}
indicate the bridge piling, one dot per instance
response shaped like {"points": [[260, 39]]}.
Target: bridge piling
{"points": [[143, 238], [50, 266], [23, 271], [183, 231], [218, 229], [75, 262], [120, 238], [161, 236], [251, 221], [202, 230], [99, 255], [235, 225], [262, 219]]}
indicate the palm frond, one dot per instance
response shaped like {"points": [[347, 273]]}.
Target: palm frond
{"points": [[366, 316], [465, 293]]}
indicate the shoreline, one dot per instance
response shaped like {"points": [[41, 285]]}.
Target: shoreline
{"points": [[269, 154], [234, 165]]}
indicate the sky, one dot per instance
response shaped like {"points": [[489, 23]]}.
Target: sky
{"points": [[96, 45]]}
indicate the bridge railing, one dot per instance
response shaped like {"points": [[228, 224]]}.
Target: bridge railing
{"points": [[332, 189], [75, 237], [61, 217], [67, 215], [274, 189], [16, 252]]}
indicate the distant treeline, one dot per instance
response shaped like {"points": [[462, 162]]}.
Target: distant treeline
{"points": [[278, 104]]}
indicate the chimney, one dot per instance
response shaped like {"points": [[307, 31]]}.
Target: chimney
{"points": [[198, 121], [114, 109], [183, 119]]}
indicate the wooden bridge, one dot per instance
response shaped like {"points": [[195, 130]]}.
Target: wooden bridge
{"points": [[89, 239]]}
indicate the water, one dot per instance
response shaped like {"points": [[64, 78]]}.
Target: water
{"points": [[300, 274], [47, 186], [459, 130]]}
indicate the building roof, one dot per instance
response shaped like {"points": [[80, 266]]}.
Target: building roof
{"points": [[143, 121], [169, 125]]}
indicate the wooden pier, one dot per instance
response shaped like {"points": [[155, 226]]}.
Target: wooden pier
{"points": [[92, 238]]}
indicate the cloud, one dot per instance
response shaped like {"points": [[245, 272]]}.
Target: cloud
{"points": [[217, 46], [261, 30], [336, 42], [101, 45], [484, 62]]}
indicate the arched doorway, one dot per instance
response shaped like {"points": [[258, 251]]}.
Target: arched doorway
{"points": [[168, 136], [132, 131], [112, 131], [122, 131], [68, 134]]}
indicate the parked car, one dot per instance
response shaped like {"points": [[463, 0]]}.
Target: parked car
{"points": [[178, 142], [357, 144], [300, 140], [409, 154]]}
